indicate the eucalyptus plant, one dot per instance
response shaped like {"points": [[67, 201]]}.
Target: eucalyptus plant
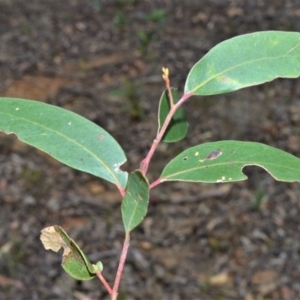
{"points": [[239, 62]]}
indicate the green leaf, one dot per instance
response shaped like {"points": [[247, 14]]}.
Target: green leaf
{"points": [[99, 266], [178, 126], [68, 137], [223, 162], [135, 202], [74, 261], [246, 60]]}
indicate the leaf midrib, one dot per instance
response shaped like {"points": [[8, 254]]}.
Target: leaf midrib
{"points": [[240, 65], [71, 140], [244, 163]]}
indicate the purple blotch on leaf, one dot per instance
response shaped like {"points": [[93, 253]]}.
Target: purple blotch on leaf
{"points": [[214, 154]]}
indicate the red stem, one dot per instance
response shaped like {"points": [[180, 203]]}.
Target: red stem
{"points": [[155, 183], [147, 159], [121, 266], [121, 190], [105, 283], [170, 95], [143, 168]]}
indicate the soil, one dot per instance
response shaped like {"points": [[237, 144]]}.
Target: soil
{"points": [[103, 60]]}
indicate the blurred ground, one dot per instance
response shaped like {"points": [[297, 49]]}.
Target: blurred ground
{"points": [[103, 60]]}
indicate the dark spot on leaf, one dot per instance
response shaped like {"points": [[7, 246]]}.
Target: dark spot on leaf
{"points": [[214, 154], [185, 158]]}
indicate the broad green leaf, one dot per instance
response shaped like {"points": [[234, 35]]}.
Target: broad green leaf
{"points": [[246, 60], [178, 126], [135, 202], [223, 162], [68, 137], [74, 261]]}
